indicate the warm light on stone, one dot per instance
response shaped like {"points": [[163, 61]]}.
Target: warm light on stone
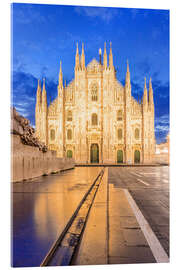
{"points": [[95, 118]]}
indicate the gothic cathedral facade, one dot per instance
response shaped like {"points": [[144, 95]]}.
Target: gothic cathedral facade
{"points": [[95, 119]]}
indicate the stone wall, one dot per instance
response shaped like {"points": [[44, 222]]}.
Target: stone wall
{"points": [[29, 162]]}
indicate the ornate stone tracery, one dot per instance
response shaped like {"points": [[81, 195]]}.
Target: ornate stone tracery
{"points": [[94, 92], [95, 108]]}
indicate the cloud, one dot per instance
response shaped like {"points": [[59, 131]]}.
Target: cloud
{"points": [[44, 71], [164, 119], [104, 13], [137, 89], [18, 63], [161, 89], [144, 66], [26, 14], [32, 45], [23, 94], [161, 127], [23, 98]]}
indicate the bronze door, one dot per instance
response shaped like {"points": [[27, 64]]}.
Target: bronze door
{"points": [[94, 153]]}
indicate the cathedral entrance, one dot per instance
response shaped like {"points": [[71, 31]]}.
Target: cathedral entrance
{"points": [[69, 153], [94, 153], [119, 156], [137, 156]]}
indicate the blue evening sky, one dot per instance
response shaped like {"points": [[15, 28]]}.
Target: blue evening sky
{"points": [[42, 35]]}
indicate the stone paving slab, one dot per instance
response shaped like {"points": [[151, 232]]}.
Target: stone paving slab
{"points": [[161, 220], [126, 260], [134, 237], [129, 222], [127, 243]]}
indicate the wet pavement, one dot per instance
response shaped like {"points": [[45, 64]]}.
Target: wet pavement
{"points": [[149, 187], [93, 249], [127, 243], [41, 209], [43, 206]]}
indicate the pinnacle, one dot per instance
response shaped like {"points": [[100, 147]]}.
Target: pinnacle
{"points": [[150, 84], [104, 47], [127, 66], [44, 90], [145, 82], [77, 50]]}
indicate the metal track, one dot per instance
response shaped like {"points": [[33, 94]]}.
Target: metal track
{"points": [[64, 248]]}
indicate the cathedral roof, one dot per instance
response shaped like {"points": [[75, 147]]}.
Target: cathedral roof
{"points": [[118, 84], [52, 107], [94, 65], [69, 91], [71, 84], [136, 106]]}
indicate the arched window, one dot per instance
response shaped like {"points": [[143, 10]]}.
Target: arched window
{"points": [[136, 133], [119, 115], [119, 133], [52, 134], [69, 134], [69, 153], [94, 92], [94, 119], [69, 116]]}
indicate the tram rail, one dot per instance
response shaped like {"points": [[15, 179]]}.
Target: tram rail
{"points": [[64, 249]]}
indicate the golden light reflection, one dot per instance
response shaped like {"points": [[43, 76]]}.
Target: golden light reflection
{"points": [[54, 207]]}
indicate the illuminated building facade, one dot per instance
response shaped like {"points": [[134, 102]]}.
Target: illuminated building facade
{"points": [[94, 118]]}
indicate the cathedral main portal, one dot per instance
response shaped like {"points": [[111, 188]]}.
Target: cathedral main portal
{"points": [[94, 153]]}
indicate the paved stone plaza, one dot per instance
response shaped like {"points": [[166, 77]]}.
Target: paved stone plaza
{"points": [[43, 206], [149, 187]]}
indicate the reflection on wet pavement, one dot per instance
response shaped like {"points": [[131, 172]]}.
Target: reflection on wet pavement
{"points": [[43, 206], [41, 209]]}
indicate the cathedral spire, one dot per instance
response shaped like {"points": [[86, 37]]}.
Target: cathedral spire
{"points": [[60, 85], [128, 82], [44, 88], [105, 57], [127, 74], [100, 55], [127, 66], [151, 102], [60, 75], [44, 96], [145, 98], [38, 93], [111, 57], [77, 57], [83, 57]]}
